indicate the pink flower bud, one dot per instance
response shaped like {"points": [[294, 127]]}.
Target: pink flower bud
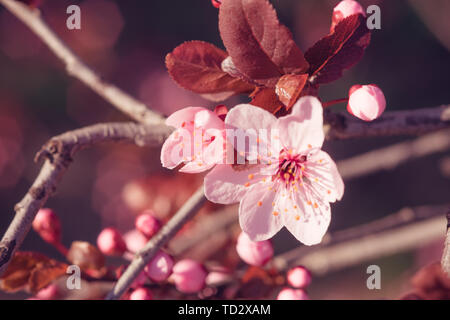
{"points": [[111, 243], [147, 224], [47, 225], [292, 294], [299, 277], [141, 294], [160, 267], [217, 277], [254, 253], [345, 9], [366, 102], [189, 276], [134, 240], [51, 292]]}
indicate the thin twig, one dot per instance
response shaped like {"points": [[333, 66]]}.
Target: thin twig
{"points": [[388, 158], [412, 122], [78, 69], [407, 229], [143, 257], [445, 262], [59, 152]]}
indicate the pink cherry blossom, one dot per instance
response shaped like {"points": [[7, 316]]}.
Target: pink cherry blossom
{"points": [[197, 142], [292, 186], [345, 9], [366, 102], [255, 253], [292, 294]]}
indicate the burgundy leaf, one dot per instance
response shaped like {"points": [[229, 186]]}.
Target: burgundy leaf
{"points": [[267, 99], [196, 66], [290, 87], [261, 48], [338, 51]]}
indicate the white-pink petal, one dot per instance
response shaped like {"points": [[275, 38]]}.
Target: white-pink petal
{"points": [[307, 219], [303, 128], [177, 118], [246, 116], [226, 185], [256, 213], [324, 176]]}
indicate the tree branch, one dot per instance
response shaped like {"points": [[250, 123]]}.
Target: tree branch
{"points": [[78, 69], [445, 262], [407, 229], [389, 157], [59, 152], [412, 122], [143, 257]]}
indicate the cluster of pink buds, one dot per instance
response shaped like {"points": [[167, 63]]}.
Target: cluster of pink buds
{"points": [[187, 275]]}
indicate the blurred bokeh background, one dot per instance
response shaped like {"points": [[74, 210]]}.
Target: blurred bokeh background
{"points": [[126, 41]]}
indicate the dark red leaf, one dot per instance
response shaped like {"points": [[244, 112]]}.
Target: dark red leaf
{"points": [[196, 66], [289, 88], [261, 48], [338, 51], [31, 271], [267, 99]]}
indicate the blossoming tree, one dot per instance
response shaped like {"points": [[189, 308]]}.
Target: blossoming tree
{"points": [[266, 155]]}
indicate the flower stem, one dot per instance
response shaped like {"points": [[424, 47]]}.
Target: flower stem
{"points": [[333, 102]]}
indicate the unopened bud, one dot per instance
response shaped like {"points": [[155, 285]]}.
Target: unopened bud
{"points": [[292, 294], [252, 252], [147, 224], [160, 267], [189, 276], [111, 243], [47, 225]]}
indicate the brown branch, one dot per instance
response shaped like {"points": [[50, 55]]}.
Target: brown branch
{"points": [[445, 262], [143, 257], [405, 230], [388, 158], [78, 69], [59, 152], [412, 122]]}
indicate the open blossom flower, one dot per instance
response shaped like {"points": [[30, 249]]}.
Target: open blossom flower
{"points": [[366, 102], [291, 186], [198, 140]]}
